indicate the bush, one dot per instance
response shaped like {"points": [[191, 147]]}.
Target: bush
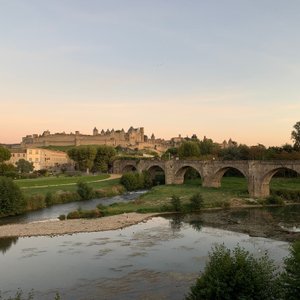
{"points": [[85, 191], [11, 198], [176, 203], [62, 217], [236, 275], [35, 202], [80, 214], [291, 275], [274, 199], [289, 195], [196, 202], [73, 215], [132, 181]]}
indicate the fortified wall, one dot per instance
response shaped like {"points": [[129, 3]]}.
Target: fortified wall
{"points": [[133, 138]]}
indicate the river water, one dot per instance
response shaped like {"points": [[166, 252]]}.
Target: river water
{"points": [[52, 212], [157, 259]]}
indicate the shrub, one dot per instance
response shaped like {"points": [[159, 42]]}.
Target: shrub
{"points": [[35, 202], [176, 203], [85, 191], [79, 214], [62, 217], [73, 215], [292, 195], [11, 198], [49, 199], [291, 275], [236, 275], [274, 199], [132, 181], [196, 202]]}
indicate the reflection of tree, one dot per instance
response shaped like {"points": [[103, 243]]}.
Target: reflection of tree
{"points": [[196, 224], [6, 243], [176, 222]]}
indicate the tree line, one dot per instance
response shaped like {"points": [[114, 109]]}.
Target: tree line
{"points": [[208, 149]]}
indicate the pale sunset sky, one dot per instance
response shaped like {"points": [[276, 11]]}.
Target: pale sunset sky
{"points": [[219, 68]]}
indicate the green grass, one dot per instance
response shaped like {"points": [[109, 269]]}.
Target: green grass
{"points": [[43, 181], [159, 197], [285, 183], [108, 186]]}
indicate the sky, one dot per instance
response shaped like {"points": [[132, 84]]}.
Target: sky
{"points": [[219, 68]]}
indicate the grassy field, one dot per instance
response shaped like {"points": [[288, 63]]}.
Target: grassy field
{"points": [[233, 189], [157, 199], [61, 180], [66, 184]]}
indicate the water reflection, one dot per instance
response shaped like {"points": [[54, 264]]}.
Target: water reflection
{"points": [[158, 259], [6, 243]]}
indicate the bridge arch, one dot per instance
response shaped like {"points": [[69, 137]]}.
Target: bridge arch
{"points": [[157, 174], [129, 168], [180, 173], [265, 182], [219, 174]]}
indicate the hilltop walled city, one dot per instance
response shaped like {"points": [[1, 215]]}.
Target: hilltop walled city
{"points": [[32, 147]]}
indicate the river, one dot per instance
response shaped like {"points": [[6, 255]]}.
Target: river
{"points": [[158, 259]]}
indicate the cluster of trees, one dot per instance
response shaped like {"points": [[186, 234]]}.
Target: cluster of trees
{"points": [[12, 201], [207, 149], [92, 158], [9, 170], [133, 181], [238, 275]]}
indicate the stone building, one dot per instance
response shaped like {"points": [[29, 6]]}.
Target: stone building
{"points": [[41, 158]]}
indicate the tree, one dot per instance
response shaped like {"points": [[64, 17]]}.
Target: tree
{"points": [[85, 191], [5, 168], [83, 156], [207, 146], [189, 149], [11, 198], [296, 136], [176, 203], [24, 166], [236, 275], [103, 158], [291, 275], [4, 154], [196, 202]]}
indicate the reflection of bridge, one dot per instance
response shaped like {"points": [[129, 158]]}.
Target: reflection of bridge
{"points": [[257, 173]]}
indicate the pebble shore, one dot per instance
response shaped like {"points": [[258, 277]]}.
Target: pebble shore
{"points": [[52, 228]]}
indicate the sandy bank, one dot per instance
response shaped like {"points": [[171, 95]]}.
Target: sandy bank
{"points": [[73, 226]]}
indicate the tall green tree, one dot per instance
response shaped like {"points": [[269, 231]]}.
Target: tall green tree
{"points": [[4, 154], [296, 136], [83, 156], [11, 198], [189, 149], [24, 166], [103, 158]]}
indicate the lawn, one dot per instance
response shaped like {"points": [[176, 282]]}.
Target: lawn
{"points": [[67, 184], [231, 188], [61, 180]]}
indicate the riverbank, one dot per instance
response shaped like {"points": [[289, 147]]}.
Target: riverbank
{"points": [[254, 221], [52, 228]]}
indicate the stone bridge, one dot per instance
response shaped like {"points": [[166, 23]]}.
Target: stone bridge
{"points": [[257, 173]]}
